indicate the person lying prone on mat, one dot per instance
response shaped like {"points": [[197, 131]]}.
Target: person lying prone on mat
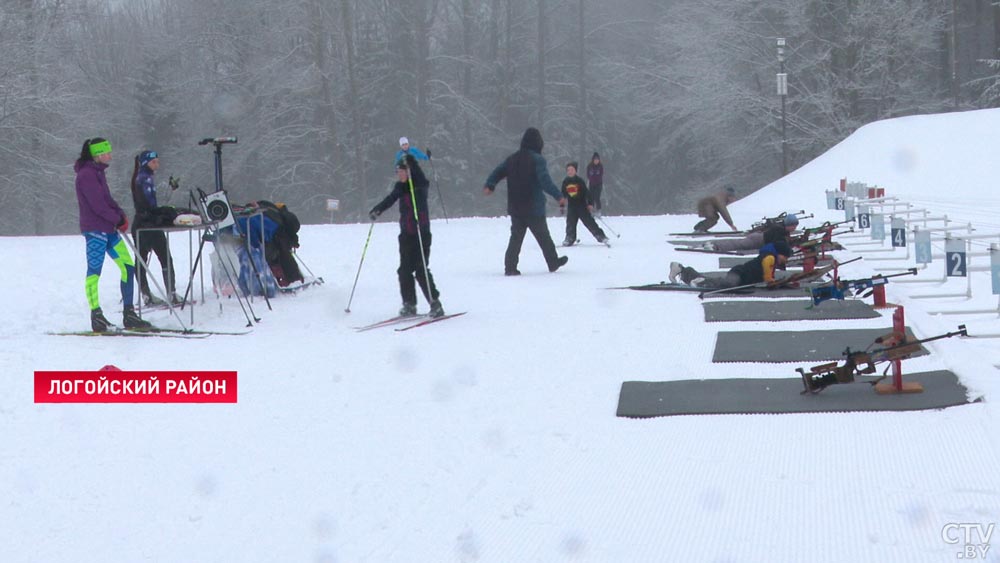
{"points": [[755, 240], [772, 256]]}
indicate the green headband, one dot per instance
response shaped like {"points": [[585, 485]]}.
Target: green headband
{"points": [[100, 148]]}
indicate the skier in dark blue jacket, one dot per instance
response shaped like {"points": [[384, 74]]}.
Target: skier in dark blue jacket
{"points": [[528, 181], [412, 262], [151, 241]]}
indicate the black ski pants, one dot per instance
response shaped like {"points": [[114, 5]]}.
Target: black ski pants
{"points": [[707, 223], [595, 194], [579, 212], [154, 242], [519, 224], [411, 268]]}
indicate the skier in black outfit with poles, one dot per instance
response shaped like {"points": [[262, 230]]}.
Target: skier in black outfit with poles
{"points": [[414, 236], [528, 181]]}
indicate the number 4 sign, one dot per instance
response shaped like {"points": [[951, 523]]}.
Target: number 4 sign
{"points": [[898, 232]]}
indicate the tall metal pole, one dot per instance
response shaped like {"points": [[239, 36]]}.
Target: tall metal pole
{"points": [[783, 92]]}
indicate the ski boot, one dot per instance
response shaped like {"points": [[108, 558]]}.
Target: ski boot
{"points": [[408, 310], [568, 242], [560, 262], [152, 301], [436, 310], [130, 320], [97, 321], [675, 270]]}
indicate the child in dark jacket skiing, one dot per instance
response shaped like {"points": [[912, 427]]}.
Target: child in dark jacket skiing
{"points": [[414, 236], [579, 207], [772, 256], [101, 220]]}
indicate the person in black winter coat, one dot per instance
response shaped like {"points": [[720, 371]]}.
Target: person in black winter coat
{"points": [[579, 207], [528, 181], [414, 236]]}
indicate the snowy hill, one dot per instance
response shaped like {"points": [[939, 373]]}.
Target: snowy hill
{"points": [[492, 437]]}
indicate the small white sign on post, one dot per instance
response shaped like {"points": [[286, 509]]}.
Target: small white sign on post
{"points": [[849, 210], [922, 246], [331, 206], [878, 226], [831, 199], [955, 256], [995, 268], [898, 232]]}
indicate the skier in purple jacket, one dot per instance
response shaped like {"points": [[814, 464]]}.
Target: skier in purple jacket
{"points": [[595, 177], [100, 221]]}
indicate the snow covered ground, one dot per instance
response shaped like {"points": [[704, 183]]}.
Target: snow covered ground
{"points": [[492, 437]]}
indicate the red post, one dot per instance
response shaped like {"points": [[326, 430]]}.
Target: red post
{"points": [[879, 295], [879, 192], [897, 386], [871, 193], [809, 263], [898, 326], [843, 184]]}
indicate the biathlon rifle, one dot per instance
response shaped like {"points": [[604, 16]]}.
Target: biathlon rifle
{"points": [[895, 346], [803, 238], [826, 226], [768, 222], [836, 289]]}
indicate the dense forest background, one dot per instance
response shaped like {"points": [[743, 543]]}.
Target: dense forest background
{"points": [[678, 96]]}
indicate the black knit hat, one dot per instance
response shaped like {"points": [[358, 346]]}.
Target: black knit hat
{"points": [[574, 164]]}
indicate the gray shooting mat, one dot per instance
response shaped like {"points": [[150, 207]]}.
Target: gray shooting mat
{"points": [[796, 346], [797, 310], [761, 293], [646, 399]]}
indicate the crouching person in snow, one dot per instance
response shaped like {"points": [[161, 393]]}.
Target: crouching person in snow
{"points": [[414, 236], [713, 207], [761, 269], [579, 207], [101, 219]]}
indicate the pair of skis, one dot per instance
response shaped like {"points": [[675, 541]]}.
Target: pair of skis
{"points": [[421, 320], [151, 333]]}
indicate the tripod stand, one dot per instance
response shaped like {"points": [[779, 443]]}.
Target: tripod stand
{"points": [[217, 213]]}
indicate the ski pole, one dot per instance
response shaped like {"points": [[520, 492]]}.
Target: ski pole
{"points": [[301, 261], [420, 236], [356, 276], [608, 227], [438, 185], [159, 288]]}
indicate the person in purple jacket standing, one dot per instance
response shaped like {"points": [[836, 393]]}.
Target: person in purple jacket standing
{"points": [[101, 219], [595, 177]]}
